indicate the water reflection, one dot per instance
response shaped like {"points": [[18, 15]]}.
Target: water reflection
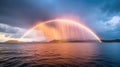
{"points": [[70, 54]]}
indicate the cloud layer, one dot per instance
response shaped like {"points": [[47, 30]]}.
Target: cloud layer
{"points": [[9, 32], [103, 16]]}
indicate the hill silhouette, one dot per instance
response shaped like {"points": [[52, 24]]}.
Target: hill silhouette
{"points": [[12, 41], [59, 41]]}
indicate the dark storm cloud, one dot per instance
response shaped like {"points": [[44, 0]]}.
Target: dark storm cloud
{"points": [[89, 7], [26, 12], [112, 7], [94, 13], [21, 12]]}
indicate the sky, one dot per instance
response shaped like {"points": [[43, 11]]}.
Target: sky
{"points": [[17, 16]]}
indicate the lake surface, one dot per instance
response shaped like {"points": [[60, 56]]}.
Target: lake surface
{"points": [[60, 55]]}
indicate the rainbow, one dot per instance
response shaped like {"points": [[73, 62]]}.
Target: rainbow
{"points": [[63, 20]]}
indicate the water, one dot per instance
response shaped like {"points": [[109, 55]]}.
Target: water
{"points": [[60, 55]]}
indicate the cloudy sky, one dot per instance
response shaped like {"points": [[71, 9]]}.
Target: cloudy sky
{"points": [[16, 16]]}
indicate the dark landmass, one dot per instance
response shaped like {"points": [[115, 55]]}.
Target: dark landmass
{"points": [[115, 40], [57, 41], [12, 41]]}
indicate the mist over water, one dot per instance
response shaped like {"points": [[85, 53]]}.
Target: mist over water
{"points": [[60, 54]]}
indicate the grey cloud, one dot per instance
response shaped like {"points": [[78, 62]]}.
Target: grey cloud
{"points": [[10, 31], [22, 13]]}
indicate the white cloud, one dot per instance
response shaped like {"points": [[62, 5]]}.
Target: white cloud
{"points": [[8, 32], [5, 37], [10, 29], [112, 23]]}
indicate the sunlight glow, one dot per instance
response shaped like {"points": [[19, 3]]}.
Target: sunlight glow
{"points": [[80, 25]]}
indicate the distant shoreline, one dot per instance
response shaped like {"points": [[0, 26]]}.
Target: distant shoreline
{"points": [[63, 41]]}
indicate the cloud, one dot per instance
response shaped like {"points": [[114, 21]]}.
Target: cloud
{"points": [[5, 37], [109, 29], [101, 15], [110, 24], [10, 29], [113, 22], [8, 32], [23, 13], [111, 7]]}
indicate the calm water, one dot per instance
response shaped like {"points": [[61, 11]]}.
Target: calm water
{"points": [[60, 55]]}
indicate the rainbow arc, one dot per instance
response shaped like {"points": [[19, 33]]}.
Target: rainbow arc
{"points": [[80, 25]]}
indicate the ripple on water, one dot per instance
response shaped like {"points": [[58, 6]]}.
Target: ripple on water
{"points": [[49, 56]]}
